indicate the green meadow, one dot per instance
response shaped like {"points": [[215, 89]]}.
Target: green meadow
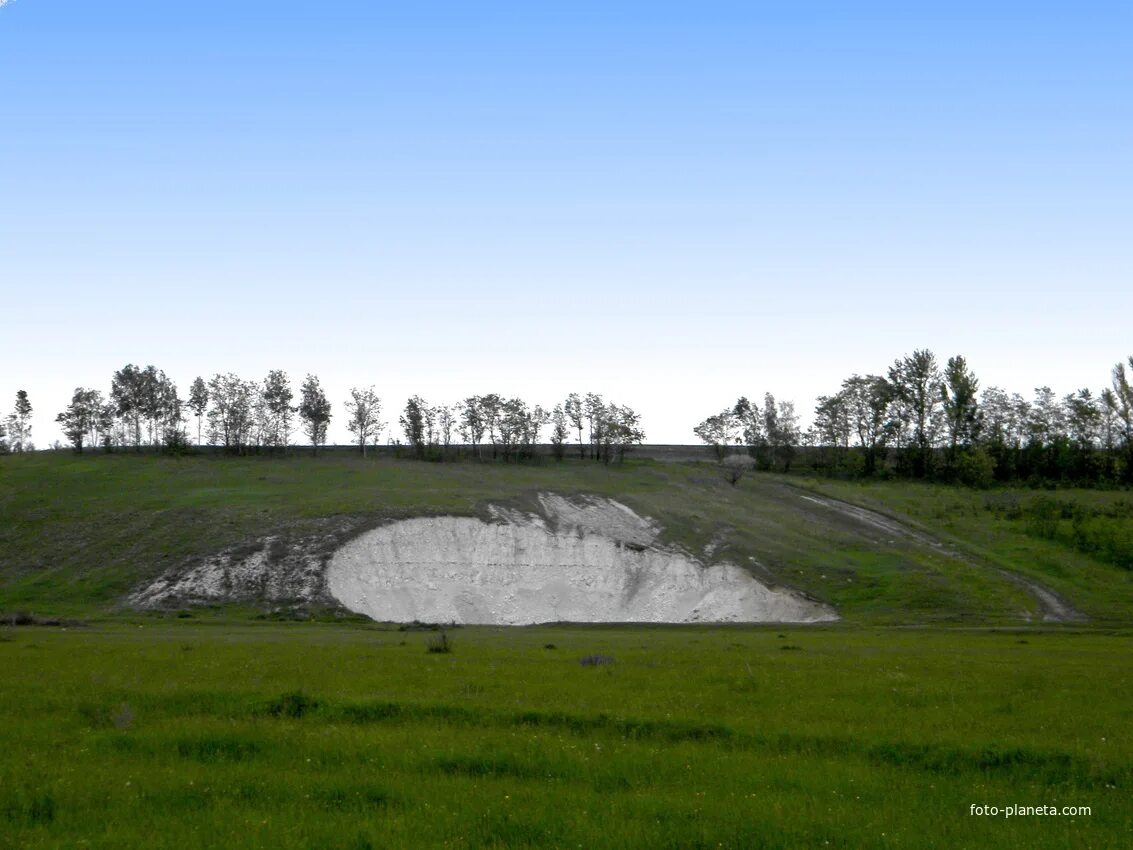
{"points": [[940, 689]]}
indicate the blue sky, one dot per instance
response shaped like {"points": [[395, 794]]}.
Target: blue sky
{"points": [[670, 204]]}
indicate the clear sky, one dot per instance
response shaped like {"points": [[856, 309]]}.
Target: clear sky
{"points": [[672, 204]]}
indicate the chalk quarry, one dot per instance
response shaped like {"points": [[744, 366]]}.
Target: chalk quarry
{"points": [[577, 559]]}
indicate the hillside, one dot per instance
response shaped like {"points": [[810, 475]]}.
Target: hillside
{"points": [[78, 535]]}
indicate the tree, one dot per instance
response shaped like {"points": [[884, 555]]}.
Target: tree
{"points": [[80, 418], [3, 438], [199, 402], [572, 407], [961, 408], [126, 391], [446, 421], [413, 424], [19, 424], [277, 398], [472, 424], [491, 406], [363, 410], [231, 417], [867, 400], [618, 432], [749, 418], [315, 411], [595, 410], [780, 431], [1122, 397], [559, 432], [833, 425], [719, 432], [915, 379]]}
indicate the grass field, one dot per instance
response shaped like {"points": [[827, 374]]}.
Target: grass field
{"points": [[939, 690], [209, 732]]}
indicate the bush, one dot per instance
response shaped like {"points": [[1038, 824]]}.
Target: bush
{"points": [[976, 468], [439, 644], [735, 466]]}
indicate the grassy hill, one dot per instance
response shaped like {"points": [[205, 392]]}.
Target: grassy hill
{"points": [[77, 534], [213, 728]]}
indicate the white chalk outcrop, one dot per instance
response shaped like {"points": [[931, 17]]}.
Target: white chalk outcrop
{"points": [[585, 560]]}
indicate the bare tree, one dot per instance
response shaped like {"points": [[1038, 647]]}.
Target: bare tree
{"points": [[363, 410]]}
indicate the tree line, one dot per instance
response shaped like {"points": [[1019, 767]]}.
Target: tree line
{"points": [[144, 409], [922, 420]]}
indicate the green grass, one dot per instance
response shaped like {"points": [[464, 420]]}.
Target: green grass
{"points": [[212, 732], [998, 528], [77, 534], [221, 727]]}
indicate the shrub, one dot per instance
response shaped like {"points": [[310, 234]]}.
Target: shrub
{"points": [[735, 466], [439, 644]]}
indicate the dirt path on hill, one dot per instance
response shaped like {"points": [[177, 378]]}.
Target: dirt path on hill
{"points": [[1054, 608]]}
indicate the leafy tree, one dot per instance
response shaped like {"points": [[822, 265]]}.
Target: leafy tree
{"points": [[315, 411], [199, 402], [446, 422], [572, 407], [915, 379], [833, 425], [231, 416], [79, 420], [559, 432], [867, 402], [413, 424], [619, 431], [491, 407], [749, 419], [1121, 399], [780, 431], [961, 408], [126, 393], [363, 410], [277, 398], [595, 410], [472, 424], [19, 424], [719, 432]]}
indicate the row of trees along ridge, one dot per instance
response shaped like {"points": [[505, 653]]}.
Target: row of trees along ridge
{"points": [[144, 408], [922, 421]]}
